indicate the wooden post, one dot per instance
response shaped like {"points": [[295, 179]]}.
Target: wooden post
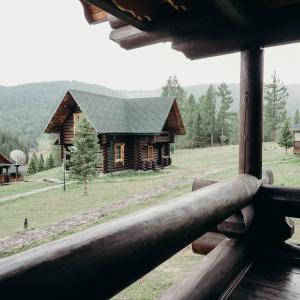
{"points": [[251, 108]]}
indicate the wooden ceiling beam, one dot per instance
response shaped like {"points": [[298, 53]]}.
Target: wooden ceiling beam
{"points": [[129, 37], [126, 16], [234, 11], [229, 40], [93, 14]]}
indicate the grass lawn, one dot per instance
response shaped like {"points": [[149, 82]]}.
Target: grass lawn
{"points": [[211, 163]]}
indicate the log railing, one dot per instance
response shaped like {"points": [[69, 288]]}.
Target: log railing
{"points": [[101, 261]]}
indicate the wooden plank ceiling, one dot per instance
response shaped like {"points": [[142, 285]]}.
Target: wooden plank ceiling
{"points": [[198, 28]]}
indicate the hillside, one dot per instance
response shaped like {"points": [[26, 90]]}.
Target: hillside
{"points": [[197, 90], [25, 109]]}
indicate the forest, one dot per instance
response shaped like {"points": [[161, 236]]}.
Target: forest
{"points": [[210, 112], [212, 119]]}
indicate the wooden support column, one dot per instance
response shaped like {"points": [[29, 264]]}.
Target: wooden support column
{"points": [[251, 109]]}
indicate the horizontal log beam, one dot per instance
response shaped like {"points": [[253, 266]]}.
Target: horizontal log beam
{"points": [[214, 273], [100, 261], [282, 199], [207, 242], [234, 11]]}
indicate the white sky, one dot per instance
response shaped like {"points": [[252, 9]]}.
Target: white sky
{"points": [[47, 40]]}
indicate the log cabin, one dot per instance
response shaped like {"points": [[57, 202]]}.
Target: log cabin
{"points": [[296, 139], [5, 165], [133, 133], [241, 224]]}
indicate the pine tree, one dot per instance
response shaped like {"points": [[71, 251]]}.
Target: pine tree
{"points": [[225, 98], [174, 89], [50, 164], [190, 116], [208, 113], [85, 154], [33, 165], [197, 132], [41, 163], [296, 119], [285, 139], [276, 95]]}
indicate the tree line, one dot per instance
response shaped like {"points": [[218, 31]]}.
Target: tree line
{"points": [[9, 142], [210, 119]]}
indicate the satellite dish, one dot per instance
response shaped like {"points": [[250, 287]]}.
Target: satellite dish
{"points": [[18, 156]]}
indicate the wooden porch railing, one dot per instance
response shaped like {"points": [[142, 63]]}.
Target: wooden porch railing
{"points": [[99, 262]]}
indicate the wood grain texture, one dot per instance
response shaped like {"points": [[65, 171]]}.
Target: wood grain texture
{"points": [[100, 261], [251, 110]]}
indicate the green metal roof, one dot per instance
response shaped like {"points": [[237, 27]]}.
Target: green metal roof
{"points": [[127, 116]]}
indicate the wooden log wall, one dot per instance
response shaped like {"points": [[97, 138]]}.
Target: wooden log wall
{"points": [[68, 127]]}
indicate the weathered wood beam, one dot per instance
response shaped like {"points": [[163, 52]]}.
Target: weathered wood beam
{"points": [[93, 14], [285, 200], [109, 7], [235, 11], [214, 273], [102, 260], [207, 242], [251, 110], [115, 22], [135, 38]]}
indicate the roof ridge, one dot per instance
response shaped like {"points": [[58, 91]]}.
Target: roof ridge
{"points": [[97, 94]]}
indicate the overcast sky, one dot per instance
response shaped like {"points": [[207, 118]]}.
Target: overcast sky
{"points": [[50, 40]]}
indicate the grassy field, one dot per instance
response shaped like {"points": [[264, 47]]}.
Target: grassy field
{"points": [[211, 163]]}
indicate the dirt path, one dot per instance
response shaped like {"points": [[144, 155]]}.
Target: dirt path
{"points": [[20, 195], [14, 242]]}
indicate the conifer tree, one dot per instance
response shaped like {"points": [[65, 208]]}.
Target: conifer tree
{"points": [[208, 113], [50, 164], [84, 154], [225, 99], [275, 96], [191, 115], [285, 139], [296, 119], [41, 163], [197, 132], [33, 165], [174, 89]]}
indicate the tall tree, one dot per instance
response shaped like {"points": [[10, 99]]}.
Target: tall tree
{"points": [[41, 163], [33, 165], [296, 119], [197, 137], [174, 89], [285, 139], [50, 163], [208, 113], [84, 154], [191, 115], [275, 97], [225, 101]]}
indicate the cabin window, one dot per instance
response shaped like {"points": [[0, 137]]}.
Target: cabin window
{"points": [[76, 118], [119, 153], [150, 152]]}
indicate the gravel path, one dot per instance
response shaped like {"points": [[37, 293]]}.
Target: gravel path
{"points": [[25, 238]]}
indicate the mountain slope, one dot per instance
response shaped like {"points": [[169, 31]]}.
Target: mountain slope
{"points": [[197, 90], [25, 109]]}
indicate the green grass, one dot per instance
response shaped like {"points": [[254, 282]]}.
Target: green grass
{"points": [[213, 163], [22, 187]]}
